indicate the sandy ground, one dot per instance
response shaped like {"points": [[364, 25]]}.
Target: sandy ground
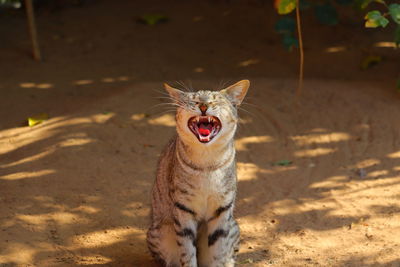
{"points": [[74, 190]]}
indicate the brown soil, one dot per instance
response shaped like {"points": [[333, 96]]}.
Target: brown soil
{"points": [[74, 190]]}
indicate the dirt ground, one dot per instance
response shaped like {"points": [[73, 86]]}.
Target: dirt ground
{"points": [[74, 190]]}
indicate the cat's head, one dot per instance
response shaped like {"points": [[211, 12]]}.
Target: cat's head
{"points": [[208, 117]]}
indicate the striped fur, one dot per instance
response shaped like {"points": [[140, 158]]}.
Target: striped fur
{"points": [[194, 193]]}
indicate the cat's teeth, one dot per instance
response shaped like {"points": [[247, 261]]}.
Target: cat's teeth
{"points": [[209, 119], [204, 138]]}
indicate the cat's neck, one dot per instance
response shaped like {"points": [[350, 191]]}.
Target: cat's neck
{"points": [[204, 156]]}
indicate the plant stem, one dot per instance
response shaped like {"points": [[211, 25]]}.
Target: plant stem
{"points": [[301, 67], [32, 29]]}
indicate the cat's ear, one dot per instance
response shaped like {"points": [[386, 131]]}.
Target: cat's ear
{"points": [[174, 93], [236, 92]]}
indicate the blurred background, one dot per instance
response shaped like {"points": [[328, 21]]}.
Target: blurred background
{"points": [[91, 48]]}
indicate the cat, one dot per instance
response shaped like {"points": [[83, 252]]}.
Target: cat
{"points": [[194, 193]]}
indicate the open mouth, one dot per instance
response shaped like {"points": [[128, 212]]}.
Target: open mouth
{"points": [[205, 128]]}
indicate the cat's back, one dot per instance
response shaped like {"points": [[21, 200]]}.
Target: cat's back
{"points": [[166, 159], [161, 202]]}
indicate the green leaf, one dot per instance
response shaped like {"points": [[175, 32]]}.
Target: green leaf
{"points": [[397, 36], [285, 6], [375, 19], [394, 11], [34, 120], [284, 162], [152, 19], [326, 14], [289, 42], [285, 25], [363, 4]]}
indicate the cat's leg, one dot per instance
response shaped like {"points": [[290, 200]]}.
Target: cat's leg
{"points": [[186, 234], [161, 241], [222, 241]]}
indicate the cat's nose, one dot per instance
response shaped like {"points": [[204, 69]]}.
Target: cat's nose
{"points": [[203, 108]]}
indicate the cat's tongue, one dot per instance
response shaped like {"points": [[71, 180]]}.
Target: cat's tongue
{"points": [[205, 129]]}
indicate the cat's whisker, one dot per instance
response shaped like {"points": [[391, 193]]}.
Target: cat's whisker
{"points": [[175, 104], [165, 105], [222, 84], [170, 102], [159, 114], [191, 86], [246, 111], [249, 104], [184, 86], [161, 92]]}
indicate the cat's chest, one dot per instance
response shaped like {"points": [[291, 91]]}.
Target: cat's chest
{"points": [[211, 192]]}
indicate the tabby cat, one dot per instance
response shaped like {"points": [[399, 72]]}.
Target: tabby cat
{"points": [[194, 193]]}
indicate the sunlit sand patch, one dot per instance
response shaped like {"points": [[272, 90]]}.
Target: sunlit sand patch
{"points": [[40, 221], [93, 260], [29, 159], [123, 78], [43, 198], [44, 85], [108, 80], [344, 214], [138, 117], [335, 49], [363, 126], [75, 142], [198, 69], [17, 253], [36, 85], [394, 155], [83, 82], [135, 209], [29, 133], [320, 138], [330, 182], [284, 206], [164, 120], [87, 209], [25, 175], [367, 163], [248, 171], [102, 118], [379, 173], [241, 143], [251, 224], [314, 152], [107, 237], [370, 184], [319, 130], [8, 144], [27, 85], [396, 168], [385, 44], [92, 199], [98, 118], [248, 62]]}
